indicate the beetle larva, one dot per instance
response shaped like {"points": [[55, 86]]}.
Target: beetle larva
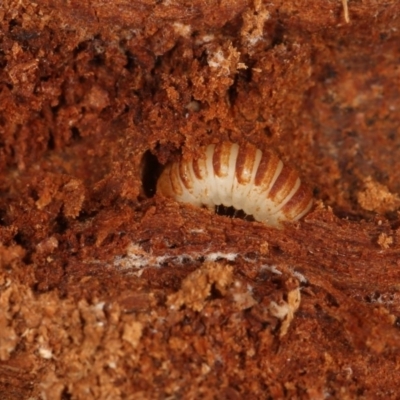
{"points": [[242, 177]]}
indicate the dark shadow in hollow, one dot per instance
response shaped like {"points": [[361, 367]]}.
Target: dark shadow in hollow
{"points": [[151, 171]]}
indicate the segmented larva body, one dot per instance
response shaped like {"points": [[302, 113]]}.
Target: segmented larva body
{"points": [[242, 177]]}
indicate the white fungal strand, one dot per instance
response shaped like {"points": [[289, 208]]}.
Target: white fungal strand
{"points": [[242, 177]]}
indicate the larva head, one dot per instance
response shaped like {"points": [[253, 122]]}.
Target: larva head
{"points": [[178, 181], [164, 186], [167, 184]]}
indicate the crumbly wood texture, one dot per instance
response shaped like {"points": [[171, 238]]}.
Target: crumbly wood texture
{"points": [[109, 292]]}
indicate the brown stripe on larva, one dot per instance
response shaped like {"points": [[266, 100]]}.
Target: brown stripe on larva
{"points": [[266, 169], [199, 166], [300, 203], [221, 158], [283, 185], [175, 179], [245, 163], [185, 175]]}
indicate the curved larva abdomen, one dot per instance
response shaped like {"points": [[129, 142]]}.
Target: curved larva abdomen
{"points": [[242, 177]]}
